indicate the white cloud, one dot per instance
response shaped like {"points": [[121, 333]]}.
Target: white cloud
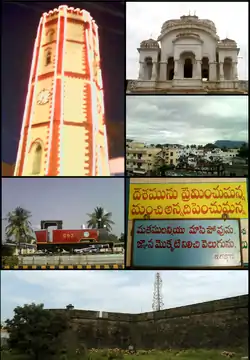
{"points": [[144, 20], [187, 119]]}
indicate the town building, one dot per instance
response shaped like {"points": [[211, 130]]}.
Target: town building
{"points": [[188, 57], [63, 131], [142, 159]]}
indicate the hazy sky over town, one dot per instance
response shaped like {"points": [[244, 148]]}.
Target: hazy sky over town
{"points": [[144, 21], [186, 119], [121, 291], [64, 199]]}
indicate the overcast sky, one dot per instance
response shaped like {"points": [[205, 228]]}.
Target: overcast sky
{"points": [[186, 119], [121, 291], [144, 21]]}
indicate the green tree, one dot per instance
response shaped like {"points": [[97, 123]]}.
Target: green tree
{"points": [[210, 146], [166, 167], [19, 226], [10, 260], [7, 250], [36, 332], [113, 237], [121, 238], [183, 162], [243, 152], [99, 219]]}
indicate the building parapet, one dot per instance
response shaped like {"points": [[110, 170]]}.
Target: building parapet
{"points": [[192, 86]]}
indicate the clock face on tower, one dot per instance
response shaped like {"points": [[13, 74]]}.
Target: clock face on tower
{"points": [[43, 97]]}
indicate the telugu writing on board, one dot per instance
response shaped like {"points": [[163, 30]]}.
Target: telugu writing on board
{"points": [[244, 240], [203, 200], [186, 243]]}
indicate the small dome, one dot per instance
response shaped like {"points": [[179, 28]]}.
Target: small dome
{"points": [[188, 20], [150, 43]]}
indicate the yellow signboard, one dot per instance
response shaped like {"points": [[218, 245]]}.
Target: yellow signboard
{"points": [[197, 200]]}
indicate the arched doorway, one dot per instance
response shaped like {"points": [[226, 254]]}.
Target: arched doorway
{"points": [[187, 59], [170, 68], [37, 159], [188, 68], [227, 68], [148, 68], [205, 69]]}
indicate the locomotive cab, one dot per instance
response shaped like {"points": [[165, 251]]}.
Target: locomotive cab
{"points": [[62, 240]]}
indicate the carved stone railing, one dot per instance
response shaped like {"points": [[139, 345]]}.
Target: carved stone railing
{"points": [[154, 86]]}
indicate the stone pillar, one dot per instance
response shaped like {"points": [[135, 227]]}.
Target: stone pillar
{"points": [[141, 71], [221, 71], [235, 71], [154, 71], [176, 68], [163, 71], [198, 69], [212, 71]]}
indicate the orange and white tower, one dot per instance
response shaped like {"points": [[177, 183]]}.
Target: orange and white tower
{"points": [[63, 131]]}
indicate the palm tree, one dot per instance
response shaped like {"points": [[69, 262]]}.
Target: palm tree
{"points": [[99, 219], [19, 226]]}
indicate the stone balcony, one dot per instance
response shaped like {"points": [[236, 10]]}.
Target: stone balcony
{"points": [[136, 151], [187, 86], [136, 160]]}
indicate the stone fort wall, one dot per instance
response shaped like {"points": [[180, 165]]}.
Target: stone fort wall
{"points": [[220, 324]]}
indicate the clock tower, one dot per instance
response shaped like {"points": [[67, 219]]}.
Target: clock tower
{"points": [[63, 131]]}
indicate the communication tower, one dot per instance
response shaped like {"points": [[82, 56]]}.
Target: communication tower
{"points": [[157, 294]]}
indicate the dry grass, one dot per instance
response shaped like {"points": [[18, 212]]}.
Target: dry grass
{"points": [[113, 354], [118, 354]]}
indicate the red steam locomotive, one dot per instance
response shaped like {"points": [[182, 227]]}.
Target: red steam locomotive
{"points": [[68, 240]]}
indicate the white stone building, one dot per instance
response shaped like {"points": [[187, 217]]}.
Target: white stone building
{"points": [[188, 56]]}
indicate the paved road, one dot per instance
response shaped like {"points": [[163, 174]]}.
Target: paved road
{"points": [[104, 259]]}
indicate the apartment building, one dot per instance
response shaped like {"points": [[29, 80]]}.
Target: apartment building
{"points": [[140, 159], [168, 156]]}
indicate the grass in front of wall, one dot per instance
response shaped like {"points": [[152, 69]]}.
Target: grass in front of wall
{"points": [[118, 354], [165, 355]]}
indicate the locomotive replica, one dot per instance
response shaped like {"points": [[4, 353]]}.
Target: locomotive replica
{"points": [[60, 240]]}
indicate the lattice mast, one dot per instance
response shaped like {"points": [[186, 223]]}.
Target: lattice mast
{"points": [[157, 294]]}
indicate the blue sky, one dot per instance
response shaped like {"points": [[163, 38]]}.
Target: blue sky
{"points": [[121, 291], [64, 199]]}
